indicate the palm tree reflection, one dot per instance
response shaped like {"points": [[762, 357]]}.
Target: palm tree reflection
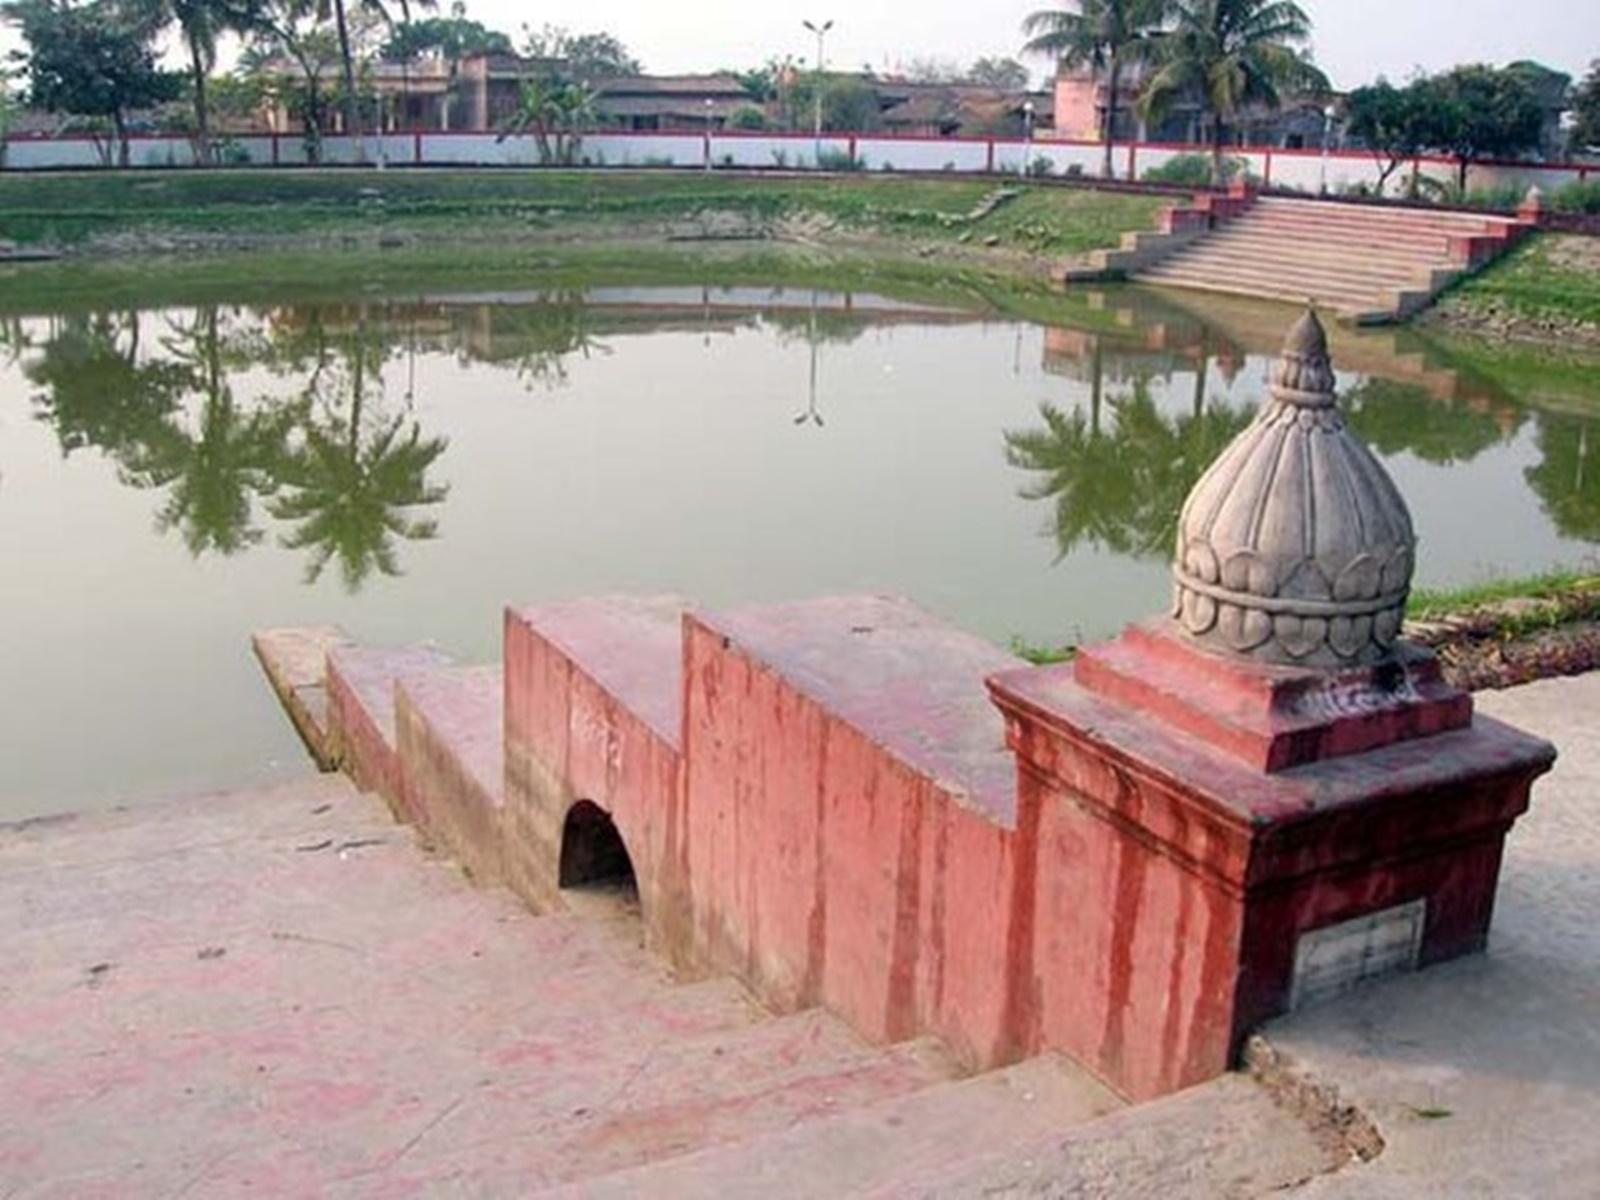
{"points": [[1120, 490]]}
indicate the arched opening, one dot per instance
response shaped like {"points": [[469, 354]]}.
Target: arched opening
{"points": [[593, 856]]}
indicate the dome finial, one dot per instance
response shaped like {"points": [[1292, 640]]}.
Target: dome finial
{"points": [[1295, 547], [1303, 374]]}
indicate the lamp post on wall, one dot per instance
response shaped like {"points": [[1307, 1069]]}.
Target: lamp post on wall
{"points": [[1027, 123], [816, 130], [708, 133], [1328, 115]]}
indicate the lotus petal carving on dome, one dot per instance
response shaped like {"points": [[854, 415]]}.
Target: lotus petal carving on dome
{"points": [[1295, 546]]}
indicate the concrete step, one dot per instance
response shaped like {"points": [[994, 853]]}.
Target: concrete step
{"points": [[1308, 248], [1344, 265], [1453, 220], [684, 1096], [1297, 285], [1225, 1138], [450, 741], [1364, 240], [361, 683], [1358, 309], [872, 1148]]}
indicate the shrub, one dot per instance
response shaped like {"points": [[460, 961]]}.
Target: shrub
{"points": [[1577, 197], [1041, 165], [839, 160], [748, 117], [1193, 170], [780, 158]]}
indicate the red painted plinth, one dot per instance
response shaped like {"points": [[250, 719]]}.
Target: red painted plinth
{"points": [[1199, 815]]}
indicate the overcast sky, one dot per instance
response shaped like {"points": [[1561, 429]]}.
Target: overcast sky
{"points": [[1354, 39]]}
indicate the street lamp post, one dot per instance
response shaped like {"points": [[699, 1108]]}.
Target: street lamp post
{"points": [[708, 133], [1027, 122], [816, 89], [1328, 115]]}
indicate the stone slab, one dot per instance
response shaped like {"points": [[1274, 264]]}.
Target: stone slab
{"points": [[1483, 1075], [632, 646], [909, 682], [295, 661]]}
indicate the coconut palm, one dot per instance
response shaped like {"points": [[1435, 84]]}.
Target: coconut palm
{"points": [[201, 24], [1227, 54], [1103, 36], [352, 483]]}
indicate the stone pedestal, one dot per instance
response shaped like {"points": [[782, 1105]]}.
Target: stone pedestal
{"points": [[1236, 837]]}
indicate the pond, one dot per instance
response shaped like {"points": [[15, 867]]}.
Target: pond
{"points": [[406, 465]]}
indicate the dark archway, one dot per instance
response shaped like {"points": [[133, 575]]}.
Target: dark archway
{"points": [[593, 855]]}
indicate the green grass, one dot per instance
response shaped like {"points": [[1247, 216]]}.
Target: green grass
{"points": [[69, 208], [1532, 282], [1430, 605], [1041, 655]]}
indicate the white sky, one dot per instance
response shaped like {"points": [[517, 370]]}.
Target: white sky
{"points": [[1354, 40]]}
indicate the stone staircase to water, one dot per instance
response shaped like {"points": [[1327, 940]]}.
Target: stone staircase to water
{"points": [[1368, 263], [625, 1082]]}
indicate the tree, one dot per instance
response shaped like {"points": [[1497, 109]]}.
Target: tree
{"points": [[849, 105], [555, 108], [452, 38], [1103, 36], [1395, 123], [1004, 74], [296, 28], [347, 55], [1586, 111], [1228, 54], [585, 57], [201, 23], [1479, 112], [92, 59]]}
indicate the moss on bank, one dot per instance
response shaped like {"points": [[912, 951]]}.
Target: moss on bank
{"points": [[71, 209], [1548, 289]]}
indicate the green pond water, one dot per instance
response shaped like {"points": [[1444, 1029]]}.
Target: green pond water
{"points": [[405, 465]]}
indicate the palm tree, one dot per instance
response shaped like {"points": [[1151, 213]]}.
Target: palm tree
{"points": [[1228, 54], [1103, 36], [201, 23]]}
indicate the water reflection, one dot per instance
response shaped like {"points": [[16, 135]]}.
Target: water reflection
{"points": [[322, 452], [278, 422]]}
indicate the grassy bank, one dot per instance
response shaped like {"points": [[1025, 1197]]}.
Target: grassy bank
{"points": [[71, 210], [1548, 289]]}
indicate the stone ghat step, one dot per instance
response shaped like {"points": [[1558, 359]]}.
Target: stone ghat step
{"points": [[1399, 237], [1354, 241], [685, 1095], [450, 745], [270, 997], [1296, 286], [1358, 309], [1454, 220], [360, 682], [1308, 258], [876, 1149], [1226, 1138], [1294, 245]]}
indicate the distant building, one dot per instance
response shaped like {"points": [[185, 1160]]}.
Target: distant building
{"points": [[1081, 97], [482, 91]]}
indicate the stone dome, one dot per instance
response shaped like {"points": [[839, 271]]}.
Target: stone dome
{"points": [[1296, 547]]}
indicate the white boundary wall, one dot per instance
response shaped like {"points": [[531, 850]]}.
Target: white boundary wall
{"points": [[1305, 170]]}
